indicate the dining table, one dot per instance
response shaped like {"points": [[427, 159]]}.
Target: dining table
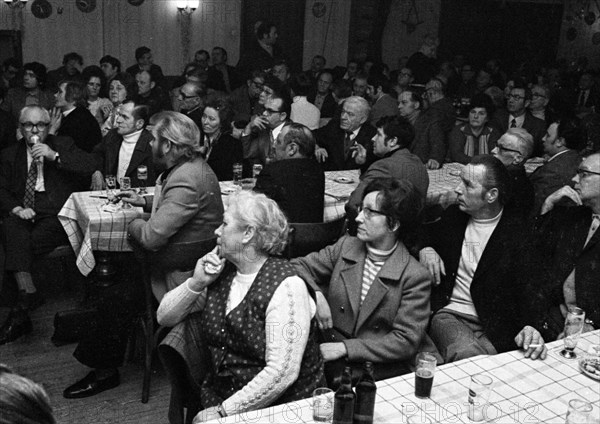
{"points": [[523, 391], [90, 227]]}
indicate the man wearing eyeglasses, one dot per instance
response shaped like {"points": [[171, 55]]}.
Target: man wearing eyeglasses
{"points": [[513, 149], [191, 99], [245, 97], [516, 115], [259, 136], [37, 175], [567, 246], [540, 96]]}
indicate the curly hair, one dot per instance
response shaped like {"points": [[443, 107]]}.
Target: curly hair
{"points": [[258, 211]]}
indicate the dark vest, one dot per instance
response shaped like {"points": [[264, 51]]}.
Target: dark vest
{"points": [[237, 342]]}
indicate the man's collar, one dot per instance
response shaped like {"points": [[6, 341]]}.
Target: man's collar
{"points": [[66, 112], [558, 154]]}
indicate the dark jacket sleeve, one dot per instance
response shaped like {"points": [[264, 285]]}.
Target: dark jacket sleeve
{"points": [[72, 158]]}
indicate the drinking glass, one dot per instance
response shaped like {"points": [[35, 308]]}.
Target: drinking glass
{"points": [[142, 175], [479, 394], [111, 185], [256, 169], [237, 173], [426, 363], [573, 327], [579, 412], [125, 185], [322, 404]]}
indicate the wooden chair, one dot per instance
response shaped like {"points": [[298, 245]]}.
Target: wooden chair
{"points": [[178, 256], [305, 238]]}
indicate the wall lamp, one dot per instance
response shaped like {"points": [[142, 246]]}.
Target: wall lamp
{"points": [[185, 7], [13, 4]]}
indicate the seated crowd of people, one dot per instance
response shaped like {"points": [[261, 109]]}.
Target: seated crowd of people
{"points": [[495, 272]]}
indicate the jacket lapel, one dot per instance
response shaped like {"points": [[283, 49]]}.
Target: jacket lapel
{"points": [[351, 274], [139, 153], [112, 152], [496, 244], [389, 274]]}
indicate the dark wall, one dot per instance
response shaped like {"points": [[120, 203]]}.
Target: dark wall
{"points": [[511, 31], [288, 17]]}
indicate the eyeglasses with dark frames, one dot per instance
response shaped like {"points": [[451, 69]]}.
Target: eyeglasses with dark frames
{"points": [[506, 149], [586, 173], [370, 212], [40, 126]]}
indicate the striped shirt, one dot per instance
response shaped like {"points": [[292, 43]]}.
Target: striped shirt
{"points": [[373, 263]]}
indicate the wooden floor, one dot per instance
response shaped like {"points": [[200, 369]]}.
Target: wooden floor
{"points": [[55, 368]]}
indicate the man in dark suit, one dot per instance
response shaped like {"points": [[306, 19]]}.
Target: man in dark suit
{"points": [[390, 145], [516, 115], [37, 175], [322, 97], [69, 119], [473, 254], [562, 143], [347, 143], [587, 96], [145, 62], [126, 147], [263, 53], [258, 138], [567, 246], [225, 76], [513, 149], [295, 180], [184, 215], [8, 130]]}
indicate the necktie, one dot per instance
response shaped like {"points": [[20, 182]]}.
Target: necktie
{"points": [[347, 145], [29, 198], [513, 123], [593, 228], [271, 155]]}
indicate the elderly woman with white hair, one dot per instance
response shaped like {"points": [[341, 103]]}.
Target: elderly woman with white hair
{"points": [[244, 335]]}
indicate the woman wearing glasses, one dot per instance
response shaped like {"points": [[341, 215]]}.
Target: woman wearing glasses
{"points": [[219, 148], [372, 295]]}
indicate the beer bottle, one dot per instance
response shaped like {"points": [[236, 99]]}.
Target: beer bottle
{"points": [[365, 396], [343, 405]]}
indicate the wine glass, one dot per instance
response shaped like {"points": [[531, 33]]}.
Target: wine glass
{"points": [[142, 175], [111, 185], [573, 327], [125, 185]]}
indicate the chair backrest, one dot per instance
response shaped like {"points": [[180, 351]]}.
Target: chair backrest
{"points": [[305, 238]]}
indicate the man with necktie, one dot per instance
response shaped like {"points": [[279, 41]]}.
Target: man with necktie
{"points": [[37, 175], [565, 253]]}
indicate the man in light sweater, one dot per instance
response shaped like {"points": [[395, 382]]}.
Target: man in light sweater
{"points": [[125, 148], [473, 253]]}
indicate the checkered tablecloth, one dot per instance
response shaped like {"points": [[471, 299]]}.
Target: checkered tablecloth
{"points": [[90, 228], [523, 391]]}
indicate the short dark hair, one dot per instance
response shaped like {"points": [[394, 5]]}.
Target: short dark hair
{"points": [[140, 51], [202, 51], [112, 61], [286, 100], [319, 56], [399, 200], [520, 84], [39, 70], [301, 84], [141, 71], [128, 82], [73, 91], [399, 127], [341, 88], [496, 176], [571, 129], [416, 95], [484, 101], [380, 80], [139, 111], [222, 50], [225, 111], [264, 29], [72, 56], [302, 136]]}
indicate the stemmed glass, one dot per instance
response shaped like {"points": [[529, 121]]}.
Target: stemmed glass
{"points": [[142, 174], [573, 328], [125, 185], [111, 185]]}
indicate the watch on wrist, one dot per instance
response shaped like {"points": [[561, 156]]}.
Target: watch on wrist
{"points": [[56, 157], [590, 322], [221, 411]]}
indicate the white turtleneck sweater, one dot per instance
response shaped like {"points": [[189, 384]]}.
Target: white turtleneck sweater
{"points": [[477, 235], [126, 151]]}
